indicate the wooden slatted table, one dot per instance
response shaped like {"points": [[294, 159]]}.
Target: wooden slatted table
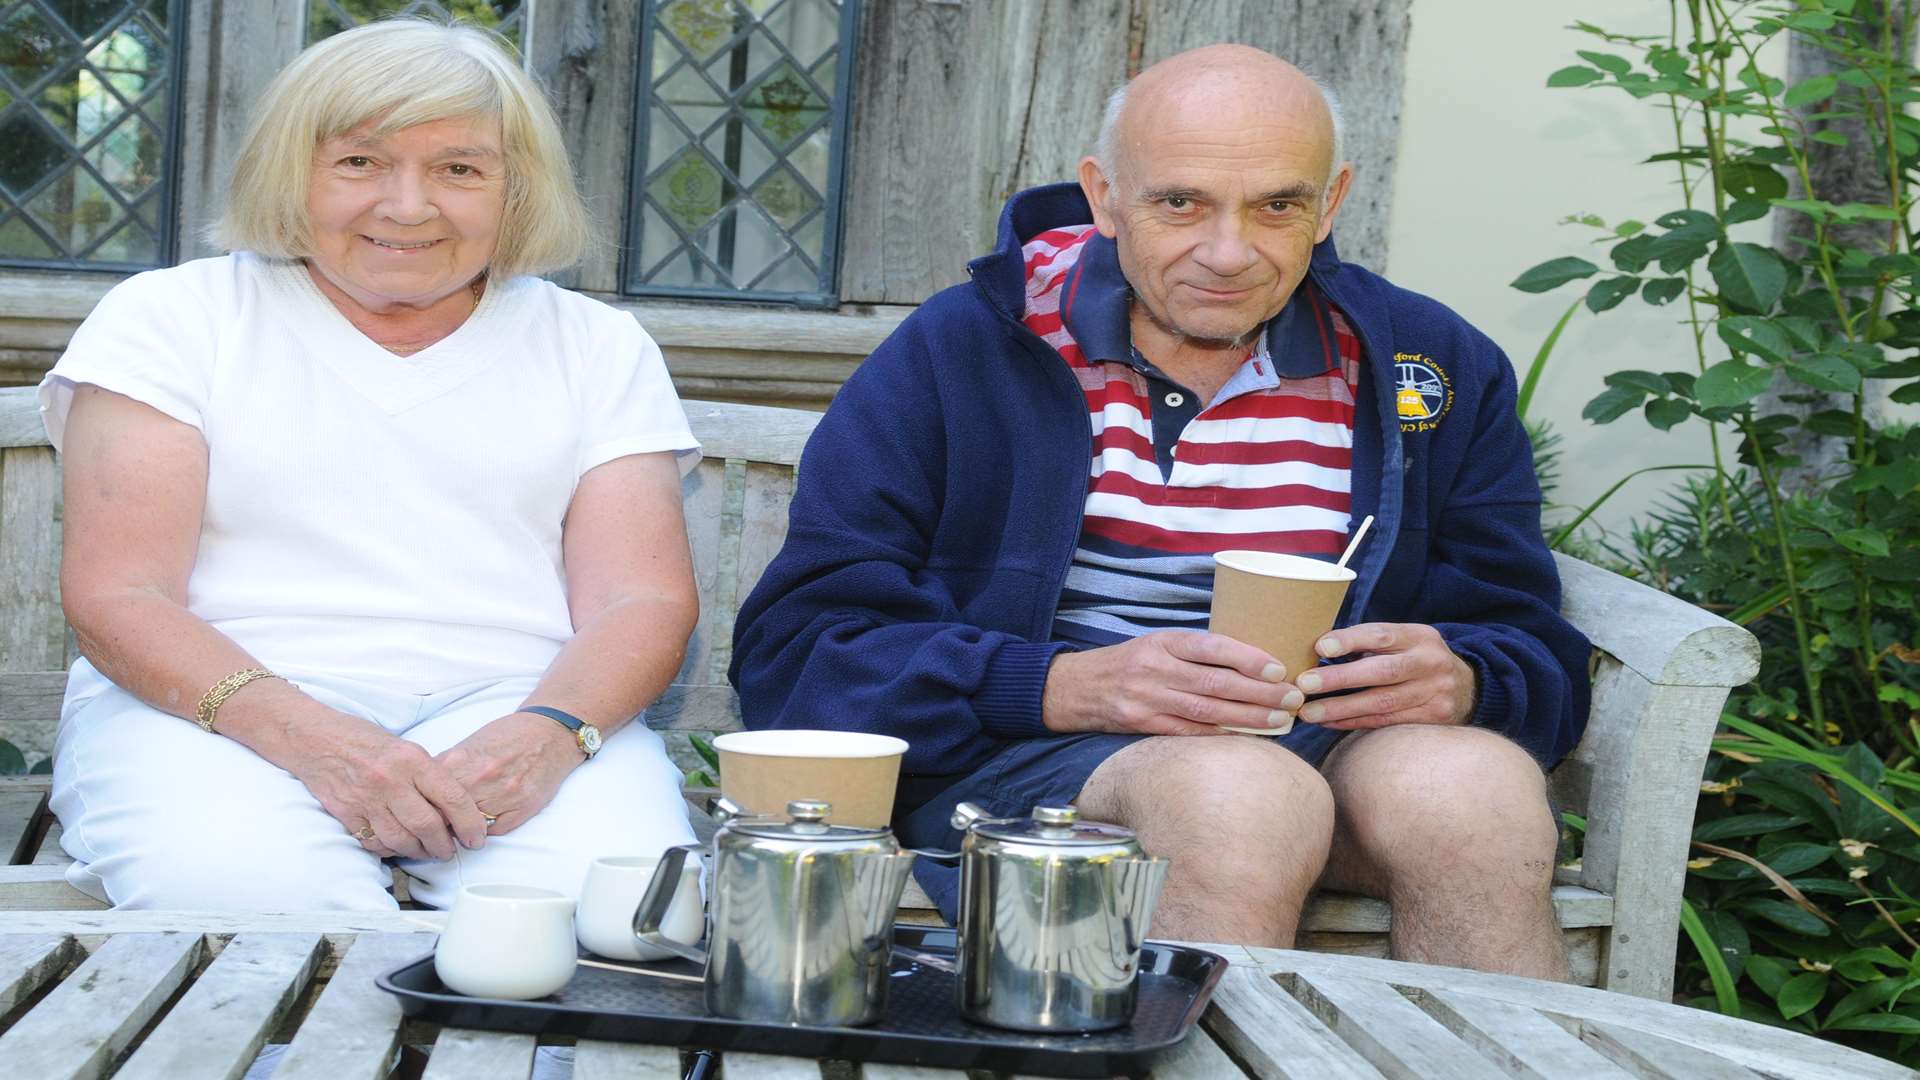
{"points": [[169, 994]]}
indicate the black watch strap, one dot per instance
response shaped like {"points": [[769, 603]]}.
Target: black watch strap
{"points": [[566, 719]]}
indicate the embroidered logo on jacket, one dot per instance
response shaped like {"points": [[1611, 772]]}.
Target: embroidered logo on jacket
{"points": [[1422, 392]]}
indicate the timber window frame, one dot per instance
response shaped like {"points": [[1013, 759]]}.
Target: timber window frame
{"points": [[92, 206]]}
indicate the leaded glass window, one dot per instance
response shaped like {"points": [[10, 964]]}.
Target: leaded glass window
{"points": [[88, 93], [739, 149], [328, 17]]}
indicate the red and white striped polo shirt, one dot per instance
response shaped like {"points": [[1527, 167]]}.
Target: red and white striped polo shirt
{"points": [[1266, 465]]}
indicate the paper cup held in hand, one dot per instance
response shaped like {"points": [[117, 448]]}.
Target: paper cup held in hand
{"points": [[1280, 604], [763, 771]]}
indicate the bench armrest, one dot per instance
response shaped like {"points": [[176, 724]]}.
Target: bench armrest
{"points": [[1662, 669]]}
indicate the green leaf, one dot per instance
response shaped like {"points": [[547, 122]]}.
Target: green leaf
{"points": [[1724, 992], [703, 745], [1731, 383], [1612, 403], [1864, 542], [1658, 291], [1790, 859], [1640, 380], [1801, 993], [1788, 916], [1744, 825], [1863, 965], [1629, 227], [1554, 273], [1906, 395], [1892, 1023], [1633, 254], [1761, 337], [1608, 292], [1577, 75], [1740, 210], [1616, 65], [1665, 413], [1749, 276], [1868, 996], [1806, 92], [1749, 180], [1769, 973], [1825, 372], [1831, 138]]}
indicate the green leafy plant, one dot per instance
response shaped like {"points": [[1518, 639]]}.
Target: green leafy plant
{"points": [[14, 763], [709, 776], [1804, 525], [1825, 313]]}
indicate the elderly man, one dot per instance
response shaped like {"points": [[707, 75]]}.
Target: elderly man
{"points": [[1000, 545]]}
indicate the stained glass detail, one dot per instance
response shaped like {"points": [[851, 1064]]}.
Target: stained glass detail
{"points": [[328, 17], [737, 161], [86, 129]]}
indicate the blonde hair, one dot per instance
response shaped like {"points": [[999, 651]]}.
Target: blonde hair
{"points": [[397, 73]]}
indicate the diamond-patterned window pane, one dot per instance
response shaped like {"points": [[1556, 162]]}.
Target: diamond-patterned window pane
{"points": [[740, 149], [87, 99], [326, 18]]}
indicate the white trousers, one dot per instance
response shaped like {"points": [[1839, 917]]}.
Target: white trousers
{"points": [[159, 814]]}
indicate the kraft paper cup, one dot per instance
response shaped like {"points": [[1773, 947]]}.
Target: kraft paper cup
{"points": [[763, 771], [1281, 604]]}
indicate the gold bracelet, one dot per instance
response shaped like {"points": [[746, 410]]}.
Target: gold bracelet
{"points": [[224, 689]]}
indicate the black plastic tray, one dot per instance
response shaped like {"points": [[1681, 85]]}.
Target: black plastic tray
{"points": [[922, 1024]]}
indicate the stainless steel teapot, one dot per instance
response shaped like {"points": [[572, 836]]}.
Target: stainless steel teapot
{"points": [[1053, 911], [800, 927]]}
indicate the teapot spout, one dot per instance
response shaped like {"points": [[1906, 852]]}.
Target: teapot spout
{"points": [[881, 879]]}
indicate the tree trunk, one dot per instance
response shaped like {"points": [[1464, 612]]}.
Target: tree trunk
{"points": [[960, 103], [1856, 172]]}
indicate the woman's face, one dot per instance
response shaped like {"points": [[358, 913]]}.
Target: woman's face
{"points": [[406, 219]]}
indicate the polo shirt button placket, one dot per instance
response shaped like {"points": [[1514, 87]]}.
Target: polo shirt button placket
{"points": [[1175, 400]]}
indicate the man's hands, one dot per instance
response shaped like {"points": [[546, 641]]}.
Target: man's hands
{"points": [[369, 779], [1408, 676], [513, 766], [1169, 682], [1179, 682]]}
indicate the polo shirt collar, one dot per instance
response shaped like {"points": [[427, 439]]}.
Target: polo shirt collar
{"points": [[1096, 304]]}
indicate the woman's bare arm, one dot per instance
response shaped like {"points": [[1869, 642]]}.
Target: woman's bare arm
{"points": [[631, 594]]}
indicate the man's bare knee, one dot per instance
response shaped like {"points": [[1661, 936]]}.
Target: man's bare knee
{"points": [[1425, 801], [1246, 823]]}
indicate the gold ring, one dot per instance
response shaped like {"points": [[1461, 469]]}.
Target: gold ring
{"points": [[364, 834], [490, 819]]}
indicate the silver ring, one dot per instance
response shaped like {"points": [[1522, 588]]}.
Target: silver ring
{"points": [[490, 819]]}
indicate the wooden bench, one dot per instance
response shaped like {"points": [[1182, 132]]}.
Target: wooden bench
{"points": [[1662, 670]]}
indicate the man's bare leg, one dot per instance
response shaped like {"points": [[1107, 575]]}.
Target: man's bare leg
{"points": [[1451, 826], [1245, 822]]}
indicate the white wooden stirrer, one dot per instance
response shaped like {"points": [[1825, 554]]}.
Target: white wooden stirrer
{"points": [[1353, 545]]}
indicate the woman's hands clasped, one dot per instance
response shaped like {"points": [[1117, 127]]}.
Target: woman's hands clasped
{"points": [[513, 766], [388, 793]]}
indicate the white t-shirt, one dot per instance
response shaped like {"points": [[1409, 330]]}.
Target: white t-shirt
{"points": [[378, 517]]}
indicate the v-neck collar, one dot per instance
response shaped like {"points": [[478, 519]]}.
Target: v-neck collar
{"points": [[392, 382]]}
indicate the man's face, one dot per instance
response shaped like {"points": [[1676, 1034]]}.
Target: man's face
{"points": [[1215, 213]]}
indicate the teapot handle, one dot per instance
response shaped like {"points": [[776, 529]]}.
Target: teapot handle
{"points": [[653, 906]]}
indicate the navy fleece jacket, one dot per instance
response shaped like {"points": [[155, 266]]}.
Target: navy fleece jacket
{"points": [[939, 503]]}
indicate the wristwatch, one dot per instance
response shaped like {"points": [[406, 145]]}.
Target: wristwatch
{"points": [[585, 734]]}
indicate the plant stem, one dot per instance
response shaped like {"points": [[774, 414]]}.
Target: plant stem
{"points": [[1779, 515]]}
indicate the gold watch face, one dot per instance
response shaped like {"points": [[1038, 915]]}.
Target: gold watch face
{"points": [[589, 739]]}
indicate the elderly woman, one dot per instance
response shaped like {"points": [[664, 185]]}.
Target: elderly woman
{"points": [[373, 539]]}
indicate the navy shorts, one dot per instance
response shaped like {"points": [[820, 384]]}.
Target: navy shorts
{"points": [[1023, 774]]}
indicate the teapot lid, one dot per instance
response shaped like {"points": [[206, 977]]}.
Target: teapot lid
{"points": [[806, 820], [1055, 825]]}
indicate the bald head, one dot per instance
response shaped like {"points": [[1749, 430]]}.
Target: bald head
{"points": [[1211, 84]]}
